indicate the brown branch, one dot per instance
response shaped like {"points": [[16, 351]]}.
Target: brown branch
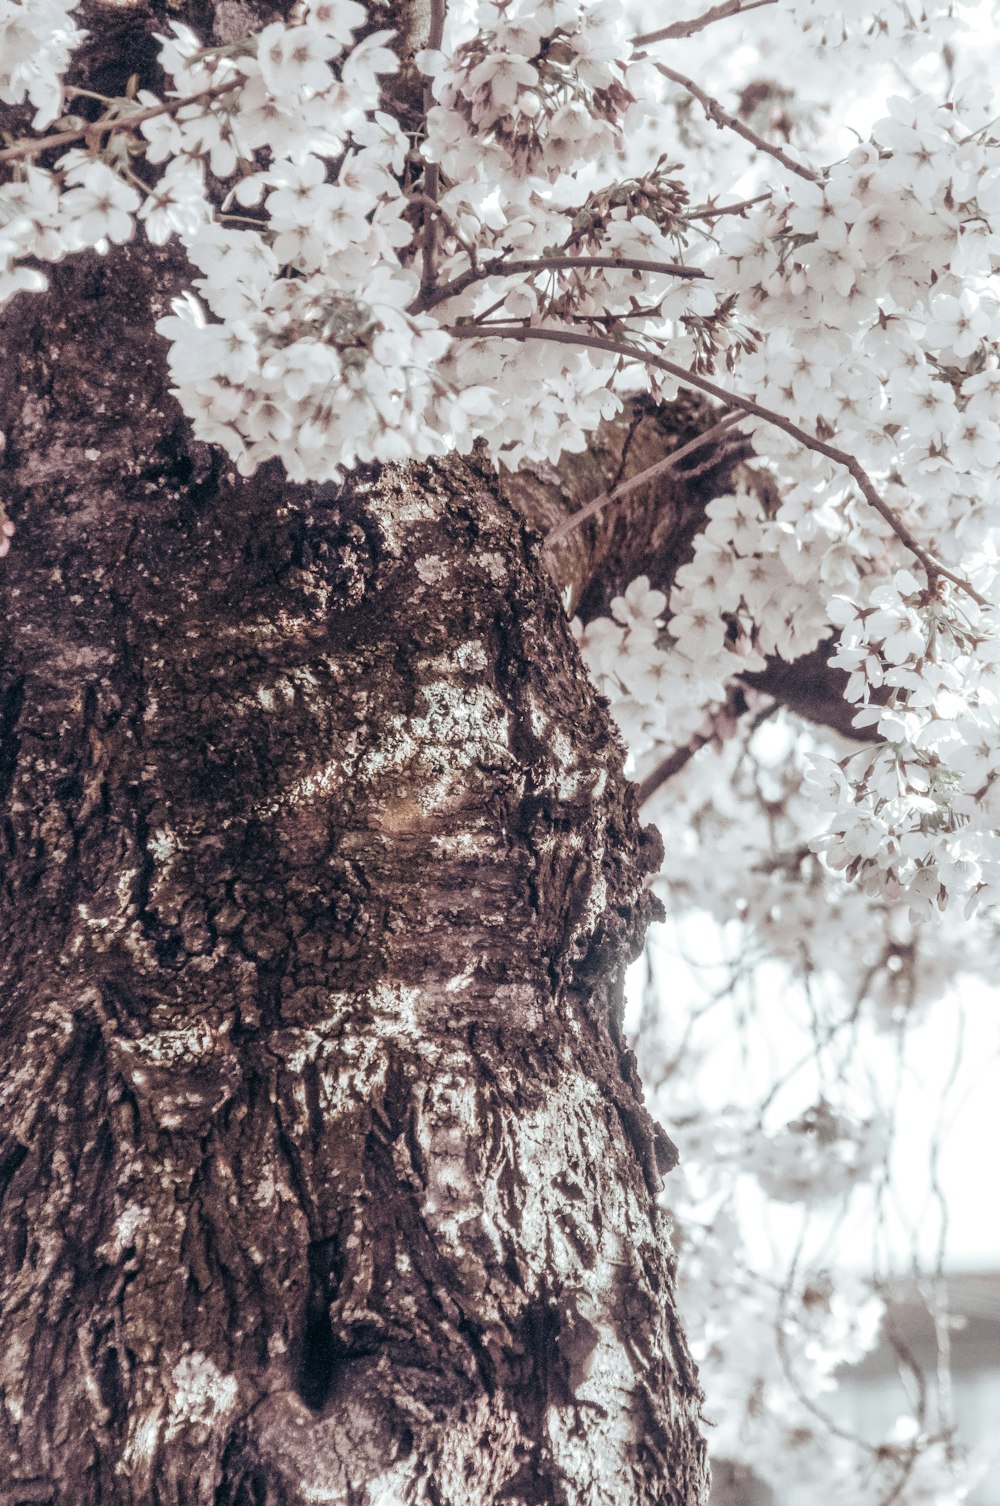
{"points": [[24, 150], [698, 23], [671, 765], [500, 267], [432, 176], [708, 212], [934, 569], [642, 479], [722, 118]]}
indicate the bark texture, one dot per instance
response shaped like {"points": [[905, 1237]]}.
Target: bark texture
{"points": [[324, 1170]]}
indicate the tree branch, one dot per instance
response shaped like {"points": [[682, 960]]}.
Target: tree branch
{"points": [[655, 535], [23, 151], [933, 568], [432, 173], [643, 478], [709, 212], [722, 118], [698, 23], [671, 765], [500, 267]]}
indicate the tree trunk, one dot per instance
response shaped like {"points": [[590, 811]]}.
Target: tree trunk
{"points": [[324, 1170]]}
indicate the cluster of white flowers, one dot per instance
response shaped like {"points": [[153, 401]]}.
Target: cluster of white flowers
{"points": [[36, 41], [764, 1403], [747, 594], [508, 103], [311, 353], [820, 1155], [919, 812]]}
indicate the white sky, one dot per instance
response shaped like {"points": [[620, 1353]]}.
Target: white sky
{"points": [[948, 1086]]}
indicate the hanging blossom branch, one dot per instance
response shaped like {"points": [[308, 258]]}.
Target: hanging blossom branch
{"points": [[932, 567], [503, 268], [23, 151], [722, 118], [642, 478], [699, 23]]}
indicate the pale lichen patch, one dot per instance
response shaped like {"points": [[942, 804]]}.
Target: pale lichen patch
{"points": [[201, 1393], [127, 1226], [495, 566], [471, 656], [304, 790], [458, 727], [163, 844], [171, 1048], [431, 568]]}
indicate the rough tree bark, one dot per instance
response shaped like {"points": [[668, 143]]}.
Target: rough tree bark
{"points": [[324, 1170]]}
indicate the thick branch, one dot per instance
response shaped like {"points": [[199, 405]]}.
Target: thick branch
{"points": [[505, 267], [935, 570], [651, 531], [23, 151]]}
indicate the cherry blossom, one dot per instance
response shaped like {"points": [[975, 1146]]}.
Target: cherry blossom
{"points": [[578, 220]]}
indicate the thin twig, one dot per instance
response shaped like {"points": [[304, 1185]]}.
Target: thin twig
{"points": [[500, 267], [699, 23], [933, 567], [23, 150], [709, 212], [721, 117], [642, 478]]}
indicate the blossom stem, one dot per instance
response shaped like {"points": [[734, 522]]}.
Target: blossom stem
{"points": [[642, 478], [698, 23], [504, 268], [933, 568], [24, 150], [709, 212], [722, 118]]}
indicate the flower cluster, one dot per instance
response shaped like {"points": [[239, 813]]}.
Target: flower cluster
{"points": [[820, 1155], [919, 812], [311, 354], [539, 89], [745, 596], [36, 41]]}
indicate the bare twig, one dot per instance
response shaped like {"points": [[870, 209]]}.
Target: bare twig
{"points": [[722, 118], [22, 151], [711, 212], [934, 569], [641, 479], [698, 23], [500, 267]]}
